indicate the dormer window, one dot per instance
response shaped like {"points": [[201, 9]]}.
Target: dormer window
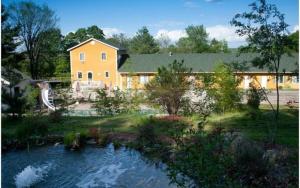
{"points": [[103, 56], [81, 56]]}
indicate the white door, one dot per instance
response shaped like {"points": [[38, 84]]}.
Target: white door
{"points": [[246, 81], [129, 80], [264, 81]]}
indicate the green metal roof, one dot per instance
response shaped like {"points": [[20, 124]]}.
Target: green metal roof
{"points": [[200, 62]]}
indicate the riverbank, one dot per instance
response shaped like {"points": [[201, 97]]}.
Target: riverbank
{"points": [[256, 128]]}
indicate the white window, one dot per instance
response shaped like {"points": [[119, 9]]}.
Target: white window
{"points": [[295, 79], [106, 74], [79, 75], [103, 56], [143, 79], [81, 56], [90, 76]]}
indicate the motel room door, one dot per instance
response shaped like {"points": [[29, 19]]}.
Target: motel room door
{"points": [[129, 82], [247, 81], [264, 81]]}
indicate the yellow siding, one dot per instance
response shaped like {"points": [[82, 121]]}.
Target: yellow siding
{"points": [[93, 63], [257, 79]]}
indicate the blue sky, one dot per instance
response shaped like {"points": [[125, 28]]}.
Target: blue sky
{"points": [[167, 17]]}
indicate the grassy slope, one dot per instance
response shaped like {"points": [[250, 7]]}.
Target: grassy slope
{"points": [[287, 133]]}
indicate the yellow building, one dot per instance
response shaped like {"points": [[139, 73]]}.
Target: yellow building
{"points": [[98, 64]]}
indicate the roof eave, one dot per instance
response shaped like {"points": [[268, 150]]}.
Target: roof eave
{"points": [[90, 39]]}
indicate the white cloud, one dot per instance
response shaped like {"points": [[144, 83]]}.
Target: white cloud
{"points": [[221, 32], [296, 28], [174, 35], [108, 31]]}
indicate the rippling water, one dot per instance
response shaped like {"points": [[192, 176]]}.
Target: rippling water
{"points": [[91, 167]]}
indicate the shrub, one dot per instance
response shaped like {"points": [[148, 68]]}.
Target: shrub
{"points": [[169, 85], [56, 116], [255, 96], [109, 105], [146, 135], [32, 126], [203, 159], [103, 139], [117, 144], [222, 88], [69, 138]]}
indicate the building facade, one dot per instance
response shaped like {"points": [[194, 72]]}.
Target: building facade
{"points": [[98, 64]]}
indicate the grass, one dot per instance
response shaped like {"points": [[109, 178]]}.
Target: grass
{"points": [[257, 129]]}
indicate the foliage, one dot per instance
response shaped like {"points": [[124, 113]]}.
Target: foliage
{"points": [[33, 126], [266, 31], [69, 138], [56, 116], [164, 42], [82, 34], [8, 42], [15, 103], [201, 160], [31, 97], [34, 21], [294, 41], [109, 104], [218, 46], [120, 40], [169, 85], [196, 40], [146, 135], [143, 42], [255, 96], [51, 52], [221, 87]]}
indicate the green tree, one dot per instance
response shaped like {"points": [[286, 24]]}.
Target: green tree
{"points": [[196, 40], [8, 42], [164, 42], [218, 46], [168, 87], [82, 34], [50, 53], [294, 41], [33, 20], [120, 40], [222, 88], [266, 31], [143, 42]]}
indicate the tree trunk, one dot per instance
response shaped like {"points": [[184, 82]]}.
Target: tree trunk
{"points": [[277, 96]]}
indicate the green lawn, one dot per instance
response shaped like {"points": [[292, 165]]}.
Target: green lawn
{"points": [[257, 129]]}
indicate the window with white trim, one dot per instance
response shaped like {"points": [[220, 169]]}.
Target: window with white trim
{"points": [[106, 74], [103, 56], [143, 79], [81, 56], [295, 79], [79, 75]]}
